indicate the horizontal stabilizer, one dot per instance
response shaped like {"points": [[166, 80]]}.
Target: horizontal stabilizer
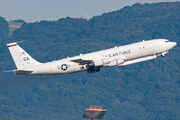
{"points": [[8, 71], [22, 72]]}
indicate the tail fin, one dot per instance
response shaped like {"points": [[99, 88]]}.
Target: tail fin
{"points": [[22, 59]]}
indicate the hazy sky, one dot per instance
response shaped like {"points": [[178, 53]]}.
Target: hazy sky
{"points": [[37, 10]]}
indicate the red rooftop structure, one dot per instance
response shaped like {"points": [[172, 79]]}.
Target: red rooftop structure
{"points": [[94, 112]]}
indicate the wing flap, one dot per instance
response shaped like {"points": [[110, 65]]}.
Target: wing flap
{"points": [[81, 62]]}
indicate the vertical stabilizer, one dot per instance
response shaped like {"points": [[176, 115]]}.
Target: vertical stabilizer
{"points": [[21, 58]]}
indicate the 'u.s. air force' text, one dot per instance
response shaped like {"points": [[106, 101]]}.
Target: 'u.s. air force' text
{"points": [[118, 53]]}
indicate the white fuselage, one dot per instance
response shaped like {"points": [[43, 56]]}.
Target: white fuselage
{"points": [[117, 56]]}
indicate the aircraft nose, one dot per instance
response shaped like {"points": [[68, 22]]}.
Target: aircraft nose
{"points": [[174, 44]]}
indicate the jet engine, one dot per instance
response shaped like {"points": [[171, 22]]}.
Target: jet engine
{"points": [[115, 61], [95, 66], [101, 62]]}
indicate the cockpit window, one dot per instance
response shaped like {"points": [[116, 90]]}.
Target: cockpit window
{"points": [[166, 41]]}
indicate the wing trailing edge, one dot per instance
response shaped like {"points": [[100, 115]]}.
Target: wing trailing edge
{"points": [[81, 62]]}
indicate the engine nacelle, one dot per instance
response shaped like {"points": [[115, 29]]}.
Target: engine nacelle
{"points": [[115, 62], [98, 63], [95, 65], [120, 61], [101, 62]]}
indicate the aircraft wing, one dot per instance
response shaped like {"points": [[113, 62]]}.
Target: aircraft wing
{"points": [[81, 62]]}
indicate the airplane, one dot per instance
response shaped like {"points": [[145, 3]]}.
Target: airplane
{"points": [[90, 62]]}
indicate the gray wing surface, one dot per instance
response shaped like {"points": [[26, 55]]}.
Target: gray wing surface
{"points": [[81, 62]]}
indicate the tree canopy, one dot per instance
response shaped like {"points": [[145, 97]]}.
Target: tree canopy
{"points": [[4, 28]]}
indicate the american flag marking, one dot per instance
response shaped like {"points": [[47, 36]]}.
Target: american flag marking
{"points": [[22, 54]]}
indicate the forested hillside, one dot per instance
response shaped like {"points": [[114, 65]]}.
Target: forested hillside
{"points": [[3, 28], [69, 37], [148, 90]]}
